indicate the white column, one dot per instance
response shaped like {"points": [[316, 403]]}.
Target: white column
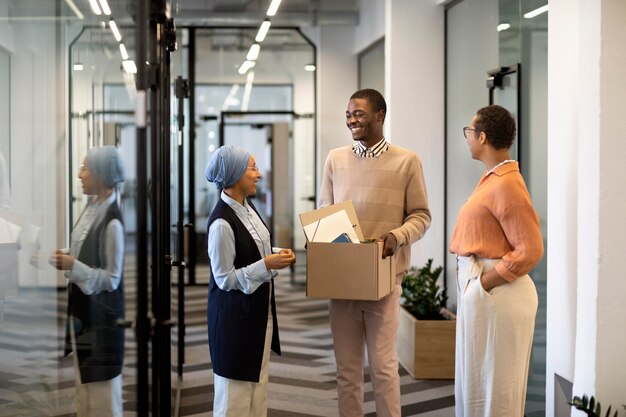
{"points": [[586, 199], [611, 306], [563, 60], [414, 85]]}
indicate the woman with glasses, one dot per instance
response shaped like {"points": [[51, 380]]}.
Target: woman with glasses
{"points": [[241, 308], [497, 241]]}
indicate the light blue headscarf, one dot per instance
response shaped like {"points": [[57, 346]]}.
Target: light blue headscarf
{"points": [[226, 166], [105, 164]]}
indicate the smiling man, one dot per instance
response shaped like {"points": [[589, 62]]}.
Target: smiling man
{"points": [[386, 185]]}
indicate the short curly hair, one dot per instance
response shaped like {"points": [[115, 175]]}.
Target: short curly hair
{"points": [[498, 125], [374, 97]]}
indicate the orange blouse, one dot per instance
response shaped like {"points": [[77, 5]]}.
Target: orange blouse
{"points": [[499, 221]]}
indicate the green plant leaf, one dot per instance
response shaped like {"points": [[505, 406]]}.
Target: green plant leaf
{"points": [[423, 297], [592, 403]]}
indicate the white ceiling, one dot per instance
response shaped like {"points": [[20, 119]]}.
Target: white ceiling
{"points": [[191, 12]]}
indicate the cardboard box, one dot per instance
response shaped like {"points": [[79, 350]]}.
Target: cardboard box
{"points": [[349, 271]]}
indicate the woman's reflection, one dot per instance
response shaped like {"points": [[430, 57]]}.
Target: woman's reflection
{"points": [[94, 268]]}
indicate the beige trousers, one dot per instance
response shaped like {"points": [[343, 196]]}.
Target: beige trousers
{"points": [[493, 342], [372, 324], [235, 398]]}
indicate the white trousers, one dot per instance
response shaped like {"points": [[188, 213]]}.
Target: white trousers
{"points": [[494, 335], [103, 398], [242, 398]]}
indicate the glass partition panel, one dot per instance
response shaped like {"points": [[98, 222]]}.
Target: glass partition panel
{"points": [[5, 131], [232, 108], [469, 23], [60, 57], [506, 38]]}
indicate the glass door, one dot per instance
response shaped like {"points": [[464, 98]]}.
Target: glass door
{"points": [[505, 90], [512, 63]]}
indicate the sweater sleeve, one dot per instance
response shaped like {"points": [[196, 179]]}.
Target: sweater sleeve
{"points": [[520, 224], [326, 191], [417, 214]]}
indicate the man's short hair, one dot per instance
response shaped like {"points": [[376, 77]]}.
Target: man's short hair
{"points": [[373, 97]]}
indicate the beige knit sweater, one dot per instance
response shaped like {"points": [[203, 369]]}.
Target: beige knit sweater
{"points": [[388, 193]]}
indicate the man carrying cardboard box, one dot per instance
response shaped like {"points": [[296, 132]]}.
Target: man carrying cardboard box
{"points": [[386, 186]]}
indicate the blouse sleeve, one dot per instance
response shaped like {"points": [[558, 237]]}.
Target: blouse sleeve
{"points": [[520, 223], [221, 251], [95, 280]]}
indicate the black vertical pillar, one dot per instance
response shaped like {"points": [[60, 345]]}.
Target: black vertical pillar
{"points": [[182, 92], [142, 324], [193, 247], [157, 261], [162, 30]]}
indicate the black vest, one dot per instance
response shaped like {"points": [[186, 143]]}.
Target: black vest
{"points": [[238, 322], [99, 340]]}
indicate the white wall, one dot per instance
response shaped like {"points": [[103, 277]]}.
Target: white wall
{"points": [[36, 137], [336, 81], [586, 199], [414, 85], [611, 308], [371, 25], [414, 39], [563, 114]]}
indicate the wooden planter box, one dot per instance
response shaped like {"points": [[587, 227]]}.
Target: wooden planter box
{"points": [[426, 347]]}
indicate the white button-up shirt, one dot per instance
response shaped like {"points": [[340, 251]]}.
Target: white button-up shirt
{"points": [[94, 280], [221, 250]]}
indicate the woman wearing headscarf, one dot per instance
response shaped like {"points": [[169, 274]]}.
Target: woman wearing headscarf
{"points": [[241, 306], [93, 268], [498, 241]]}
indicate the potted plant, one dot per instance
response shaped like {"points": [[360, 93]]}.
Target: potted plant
{"points": [[427, 330], [591, 407]]}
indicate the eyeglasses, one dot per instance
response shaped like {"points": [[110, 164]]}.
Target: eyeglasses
{"points": [[253, 167], [466, 128]]}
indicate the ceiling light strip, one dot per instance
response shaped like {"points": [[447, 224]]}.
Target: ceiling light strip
{"points": [[75, 9], [129, 66], [271, 11], [536, 12], [246, 66], [105, 7], [94, 7], [503, 26], [123, 52], [115, 30], [253, 53], [263, 29]]}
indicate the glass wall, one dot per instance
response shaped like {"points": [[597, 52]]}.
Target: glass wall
{"points": [[243, 109], [64, 91], [67, 77], [483, 35]]}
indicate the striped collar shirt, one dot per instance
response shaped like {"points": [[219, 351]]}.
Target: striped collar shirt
{"points": [[373, 152]]}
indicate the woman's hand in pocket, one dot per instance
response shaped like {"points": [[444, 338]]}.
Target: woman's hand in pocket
{"points": [[491, 279]]}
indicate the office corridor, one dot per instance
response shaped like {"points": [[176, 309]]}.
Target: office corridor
{"points": [[37, 381]]}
